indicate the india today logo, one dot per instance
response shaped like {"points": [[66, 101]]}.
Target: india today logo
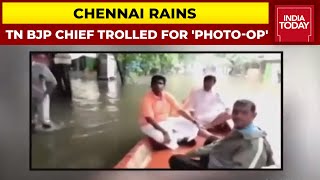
{"points": [[294, 23]]}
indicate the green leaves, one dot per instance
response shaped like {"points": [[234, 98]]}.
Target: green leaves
{"points": [[144, 62]]}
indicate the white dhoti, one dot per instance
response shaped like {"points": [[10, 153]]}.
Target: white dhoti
{"points": [[42, 111], [205, 118], [178, 128]]}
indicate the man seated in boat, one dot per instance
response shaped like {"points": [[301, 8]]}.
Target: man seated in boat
{"points": [[156, 121], [245, 147], [207, 107]]}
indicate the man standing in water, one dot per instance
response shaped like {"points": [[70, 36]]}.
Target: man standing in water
{"points": [[245, 147], [156, 119], [43, 84], [61, 68], [207, 107]]}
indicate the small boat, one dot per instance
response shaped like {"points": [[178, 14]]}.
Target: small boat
{"points": [[144, 156]]}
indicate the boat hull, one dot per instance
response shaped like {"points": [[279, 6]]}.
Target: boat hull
{"points": [[143, 155]]}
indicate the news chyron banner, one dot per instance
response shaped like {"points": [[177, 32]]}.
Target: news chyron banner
{"points": [[159, 23]]}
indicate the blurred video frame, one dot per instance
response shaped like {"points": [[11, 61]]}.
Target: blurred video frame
{"points": [[156, 110]]}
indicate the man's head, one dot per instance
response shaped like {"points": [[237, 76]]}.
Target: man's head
{"points": [[40, 58], [208, 82], [243, 113], [102, 56], [158, 83]]}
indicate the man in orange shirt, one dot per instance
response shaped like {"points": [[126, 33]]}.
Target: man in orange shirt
{"points": [[156, 119]]}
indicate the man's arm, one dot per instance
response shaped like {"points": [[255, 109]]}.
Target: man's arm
{"points": [[270, 160], [50, 80], [37, 92], [174, 103], [186, 115], [222, 102], [148, 114], [205, 150], [189, 103], [247, 157], [155, 125]]}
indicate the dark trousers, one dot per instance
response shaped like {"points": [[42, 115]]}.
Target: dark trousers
{"points": [[186, 162], [61, 72]]}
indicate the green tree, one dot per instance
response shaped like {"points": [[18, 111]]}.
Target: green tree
{"points": [[144, 63]]}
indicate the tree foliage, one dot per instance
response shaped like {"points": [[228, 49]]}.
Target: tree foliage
{"points": [[146, 63], [239, 63]]}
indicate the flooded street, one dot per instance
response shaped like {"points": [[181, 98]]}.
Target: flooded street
{"points": [[100, 125]]}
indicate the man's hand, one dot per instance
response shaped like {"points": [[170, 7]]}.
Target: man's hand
{"points": [[45, 94], [166, 138], [196, 123], [228, 114], [187, 116]]}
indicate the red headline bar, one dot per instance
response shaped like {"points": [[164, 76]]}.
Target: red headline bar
{"points": [[290, 22], [136, 34]]}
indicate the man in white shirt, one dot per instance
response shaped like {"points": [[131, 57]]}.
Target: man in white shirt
{"points": [[207, 107], [43, 84]]}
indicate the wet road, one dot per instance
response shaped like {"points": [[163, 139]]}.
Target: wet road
{"points": [[100, 124]]}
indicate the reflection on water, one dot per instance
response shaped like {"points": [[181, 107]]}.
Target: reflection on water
{"points": [[100, 124]]}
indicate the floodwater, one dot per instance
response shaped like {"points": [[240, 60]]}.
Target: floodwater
{"points": [[100, 126]]}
